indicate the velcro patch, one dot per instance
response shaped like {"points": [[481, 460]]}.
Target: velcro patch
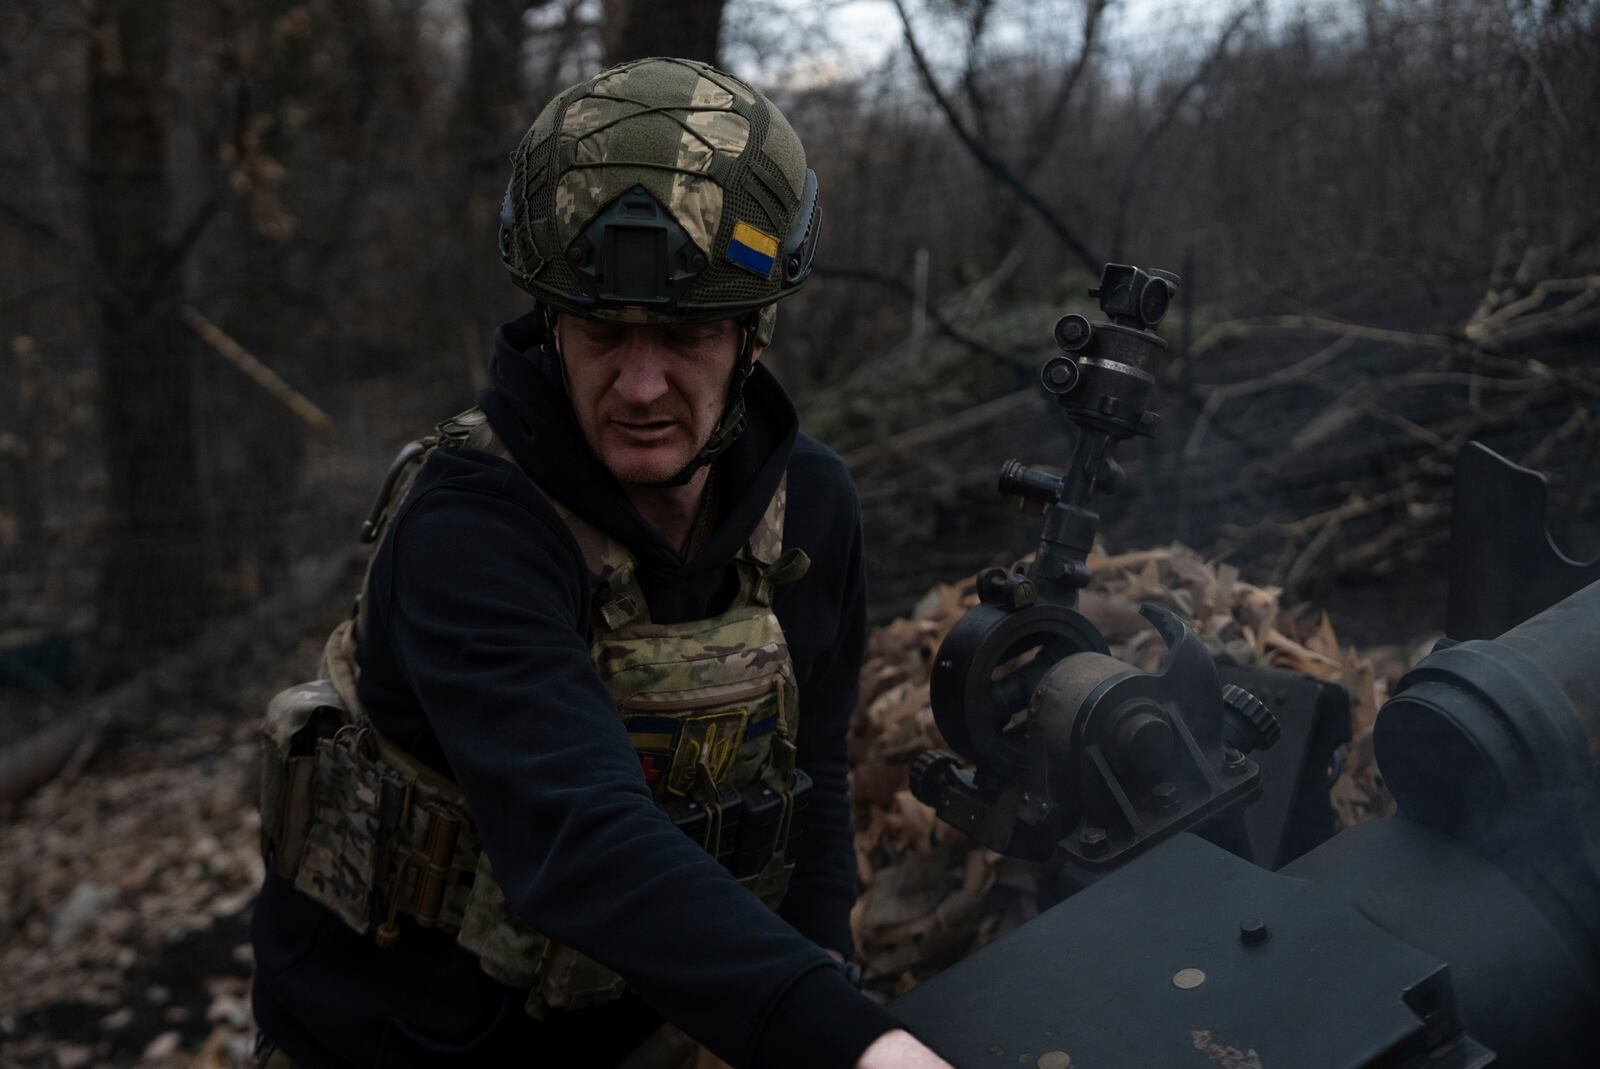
{"points": [[709, 738], [752, 249]]}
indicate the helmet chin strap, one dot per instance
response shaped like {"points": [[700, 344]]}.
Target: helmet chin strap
{"points": [[732, 423], [728, 428]]}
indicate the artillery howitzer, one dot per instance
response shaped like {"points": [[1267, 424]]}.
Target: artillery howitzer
{"points": [[1194, 929]]}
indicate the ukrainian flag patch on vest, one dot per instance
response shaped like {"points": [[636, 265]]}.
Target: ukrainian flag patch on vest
{"points": [[752, 249]]}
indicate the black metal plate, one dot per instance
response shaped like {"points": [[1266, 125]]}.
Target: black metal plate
{"points": [[1092, 979], [1293, 814], [1504, 567]]}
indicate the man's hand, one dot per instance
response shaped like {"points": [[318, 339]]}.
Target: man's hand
{"points": [[900, 1050]]}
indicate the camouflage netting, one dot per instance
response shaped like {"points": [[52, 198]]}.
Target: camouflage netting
{"points": [[929, 895]]}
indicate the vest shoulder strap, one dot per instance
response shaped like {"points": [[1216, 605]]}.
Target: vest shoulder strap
{"points": [[763, 564], [765, 544]]}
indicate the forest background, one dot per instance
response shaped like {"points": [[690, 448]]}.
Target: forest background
{"points": [[247, 250]]}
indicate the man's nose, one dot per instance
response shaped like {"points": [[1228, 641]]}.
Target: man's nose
{"points": [[642, 377]]}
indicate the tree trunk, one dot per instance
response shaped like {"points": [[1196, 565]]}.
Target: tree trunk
{"points": [[493, 110], [635, 29], [254, 453], [153, 582], [492, 104]]}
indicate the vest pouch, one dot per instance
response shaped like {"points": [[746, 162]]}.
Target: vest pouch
{"points": [[574, 981], [557, 977], [771, 883], [507, 949], [296, 718], [356, 808], [287, 787], [718, 830], [802, 798], [761, 827]]}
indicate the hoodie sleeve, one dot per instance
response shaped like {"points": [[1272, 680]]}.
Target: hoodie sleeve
{"points": [[824, 885], [484, 611]]}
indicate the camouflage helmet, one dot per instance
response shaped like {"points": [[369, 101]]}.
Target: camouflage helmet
{"points": [[661, 190]]}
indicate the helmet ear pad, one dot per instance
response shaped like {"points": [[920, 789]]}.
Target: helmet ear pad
{"points": [[507, 219]]}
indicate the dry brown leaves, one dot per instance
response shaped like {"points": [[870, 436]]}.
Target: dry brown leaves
{"points": [[110, 881], [930, 896]]}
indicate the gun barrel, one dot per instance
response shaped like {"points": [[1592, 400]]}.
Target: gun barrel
{"points": [[1480, 728]]}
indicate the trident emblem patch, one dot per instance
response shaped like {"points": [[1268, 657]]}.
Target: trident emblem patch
{"points": [[712, 737]]}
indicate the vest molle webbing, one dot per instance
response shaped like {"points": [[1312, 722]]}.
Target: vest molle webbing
{"points": [[710, 705]]}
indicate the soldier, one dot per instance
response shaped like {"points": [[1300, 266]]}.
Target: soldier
{"points": [[472, 858]]}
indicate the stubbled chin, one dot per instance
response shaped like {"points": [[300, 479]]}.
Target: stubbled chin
{"points": [[645, 465]]}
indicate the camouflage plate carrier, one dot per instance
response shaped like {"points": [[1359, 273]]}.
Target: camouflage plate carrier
{"points": [[710, 706]]}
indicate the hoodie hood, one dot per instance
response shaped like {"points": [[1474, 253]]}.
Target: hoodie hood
{"points": [[529, 409]]}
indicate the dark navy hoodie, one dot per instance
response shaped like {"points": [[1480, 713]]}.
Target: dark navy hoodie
{"points": [[476, 660]]}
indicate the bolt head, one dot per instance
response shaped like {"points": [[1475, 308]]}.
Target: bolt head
{"points": [[1233, 762], [1253, 932]]}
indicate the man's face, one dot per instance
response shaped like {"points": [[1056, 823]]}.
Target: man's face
{"points": [[647, 397]]}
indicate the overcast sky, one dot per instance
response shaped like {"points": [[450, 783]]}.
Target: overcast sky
{"points": [[860, 34]]}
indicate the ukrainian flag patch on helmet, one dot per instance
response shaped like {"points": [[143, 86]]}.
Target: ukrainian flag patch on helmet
{"points": [[752, 249]]}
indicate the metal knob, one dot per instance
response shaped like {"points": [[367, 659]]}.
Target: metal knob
{"points": [[1251, 725]]}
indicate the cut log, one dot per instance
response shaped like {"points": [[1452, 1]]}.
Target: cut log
{"points": [[30, 763]]}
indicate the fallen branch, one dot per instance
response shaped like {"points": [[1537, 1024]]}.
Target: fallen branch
{"points": [[946, 427], [257, 372], [1296, 372], [30, 763], [1235, 329], [1520, 321], [1353, 507]]}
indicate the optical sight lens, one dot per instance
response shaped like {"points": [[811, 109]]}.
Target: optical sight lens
{"points": [[1153, 301]]}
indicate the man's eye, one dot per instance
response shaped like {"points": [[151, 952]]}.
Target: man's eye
{"points": [[686, 336], [603, 334]]}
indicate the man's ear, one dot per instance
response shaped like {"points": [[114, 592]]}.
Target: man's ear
{"points": [[750, 334], [552, 322]]}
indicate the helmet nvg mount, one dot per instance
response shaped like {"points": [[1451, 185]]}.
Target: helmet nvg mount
{"points": [[661, 190]]}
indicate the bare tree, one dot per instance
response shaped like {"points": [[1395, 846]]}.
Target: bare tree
{"points": [[637, 28], [986, 157], [493, 100], [153, 586], [1169, 114]]}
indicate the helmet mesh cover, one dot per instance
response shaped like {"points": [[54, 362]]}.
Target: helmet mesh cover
{"points": [[713, 151]]}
